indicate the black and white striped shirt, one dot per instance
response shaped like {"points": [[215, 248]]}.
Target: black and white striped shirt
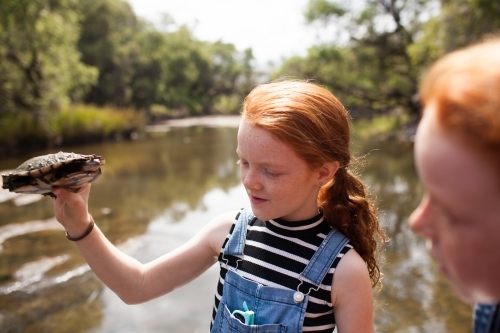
{"points": [[275, 253]]}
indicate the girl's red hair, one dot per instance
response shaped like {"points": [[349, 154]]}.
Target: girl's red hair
{"points": [[464, 89]]}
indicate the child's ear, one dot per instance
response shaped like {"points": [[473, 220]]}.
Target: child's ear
{"points": [[327, 171]]}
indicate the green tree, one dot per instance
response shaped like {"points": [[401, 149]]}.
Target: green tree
{"points": [[372, 68], [381, 48], [166, 70], [108, 42], [181, 74], [458, 24], [40, 67]]}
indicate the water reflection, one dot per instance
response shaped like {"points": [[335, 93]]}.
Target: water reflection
{"points": [[153, 196]]}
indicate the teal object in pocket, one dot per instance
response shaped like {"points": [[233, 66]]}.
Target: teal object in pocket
{"points": [[246, 316]]}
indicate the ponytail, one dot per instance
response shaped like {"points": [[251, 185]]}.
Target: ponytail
{"points": [[346, 207]]}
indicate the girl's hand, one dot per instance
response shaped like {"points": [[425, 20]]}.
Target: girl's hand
{"points": [[71, 209]]}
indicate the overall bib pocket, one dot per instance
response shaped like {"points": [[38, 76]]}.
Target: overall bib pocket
{"points": [[274, 309], [227, 323]]}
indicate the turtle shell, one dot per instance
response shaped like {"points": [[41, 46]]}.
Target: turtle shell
{"points": [[40, 174]]}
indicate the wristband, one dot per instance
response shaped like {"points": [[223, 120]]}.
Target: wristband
{"points": [[85, 234]]}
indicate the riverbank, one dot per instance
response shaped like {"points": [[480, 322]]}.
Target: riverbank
{"points": [[382, 127], [86, 126], [211, 121], [76, 125]]}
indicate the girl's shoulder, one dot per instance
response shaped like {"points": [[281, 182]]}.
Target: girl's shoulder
{"points": [[352, 294], [350, 273], [218, 229]]}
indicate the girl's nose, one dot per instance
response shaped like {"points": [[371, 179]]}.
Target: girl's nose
{"points": [[420, 220], [250, 179]]}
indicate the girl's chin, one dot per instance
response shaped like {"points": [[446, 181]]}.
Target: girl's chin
{"points": [[261, 214], [472, 295]]}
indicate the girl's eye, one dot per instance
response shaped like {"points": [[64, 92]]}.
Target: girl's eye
{"points": [[450, 216], [272, 173], [240, 162]]}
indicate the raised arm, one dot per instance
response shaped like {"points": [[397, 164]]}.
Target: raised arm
{"points": [[352, 295], [131, 280]]}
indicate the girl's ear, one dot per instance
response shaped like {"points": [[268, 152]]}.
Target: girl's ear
{"points": [[327, 171]]}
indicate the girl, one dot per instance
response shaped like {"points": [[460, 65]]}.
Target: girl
{"points": [[301, 258], [457, 153]]}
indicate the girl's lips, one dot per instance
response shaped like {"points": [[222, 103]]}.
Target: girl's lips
{"points": [[256, 200], [443, 269], [432, 251]]}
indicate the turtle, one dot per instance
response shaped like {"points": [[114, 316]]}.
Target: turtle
{"points": [[40, 174]]}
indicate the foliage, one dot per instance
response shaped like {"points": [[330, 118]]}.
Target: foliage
{"points": [[70, 125], [85, 123], [389, 44], [143, 67], [378, 127], [353, 75], [372, 69], [40, 67], [58, 53], [107, 42], [460, 23], [186, 75], [324, 10]]}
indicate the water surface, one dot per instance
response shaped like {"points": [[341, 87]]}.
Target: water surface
{"points": [[154, 194]]}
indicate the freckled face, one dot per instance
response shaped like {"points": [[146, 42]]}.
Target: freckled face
{"points": [[279, 184], [460, 212]]}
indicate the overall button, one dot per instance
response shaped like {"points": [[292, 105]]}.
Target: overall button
{"points": [[298, 297]]}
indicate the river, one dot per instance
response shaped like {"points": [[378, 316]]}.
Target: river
{"points": [[154, 194]]}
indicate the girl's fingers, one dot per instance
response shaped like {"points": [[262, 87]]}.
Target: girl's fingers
{"points": [[70, 206], [71, 195]]}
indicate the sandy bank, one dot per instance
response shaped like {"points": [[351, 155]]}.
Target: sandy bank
{"points": [[214, 121]]}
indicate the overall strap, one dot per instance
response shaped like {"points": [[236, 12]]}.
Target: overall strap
{"points": [[484, 318], [323, 258], [236, 242]]}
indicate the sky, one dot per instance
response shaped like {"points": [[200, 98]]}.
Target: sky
{"points": [[272, 28]]}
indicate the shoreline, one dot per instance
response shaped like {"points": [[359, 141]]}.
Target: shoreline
{"points": [[211, 121]]}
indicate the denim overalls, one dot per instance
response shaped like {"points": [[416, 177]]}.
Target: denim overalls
{"points": [[484, 317], [276, 309]]}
